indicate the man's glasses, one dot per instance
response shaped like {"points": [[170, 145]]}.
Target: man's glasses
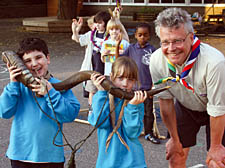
{"points": [[175, 43]]}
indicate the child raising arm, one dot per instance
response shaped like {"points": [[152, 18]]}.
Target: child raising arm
{"points": [[93, 41]]}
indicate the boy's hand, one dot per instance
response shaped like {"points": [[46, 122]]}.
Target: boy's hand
{"points": [[117, 11], [139, 97], [76, 25], [42, 87], [13, 72], [97, 80], [119, 39], [104, 53]]}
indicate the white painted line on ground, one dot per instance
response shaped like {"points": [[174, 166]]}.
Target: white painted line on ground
{"points": [[197, 166], [3, 69], [4, 79]]}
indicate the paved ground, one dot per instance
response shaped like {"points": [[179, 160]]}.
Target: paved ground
{"points": [[66, 58]]}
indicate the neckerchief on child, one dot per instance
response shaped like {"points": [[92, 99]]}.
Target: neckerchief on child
{"points": [[119, 121], [187, 68], [93, 33]]}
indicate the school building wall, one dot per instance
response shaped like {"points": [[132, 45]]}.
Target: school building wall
{"points": [[41, 8]]}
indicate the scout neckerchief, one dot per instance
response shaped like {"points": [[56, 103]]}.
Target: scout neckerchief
{"points": [[113, 119], [187, 68], [93, 34]]}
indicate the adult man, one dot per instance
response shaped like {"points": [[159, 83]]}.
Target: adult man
{"points": [[196, 72]]}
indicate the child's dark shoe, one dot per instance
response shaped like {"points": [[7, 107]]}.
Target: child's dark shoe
{"points": [[152, 139]]}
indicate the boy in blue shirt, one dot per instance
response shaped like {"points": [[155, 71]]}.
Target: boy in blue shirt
{"points": [[141, 52], [32, 132]]}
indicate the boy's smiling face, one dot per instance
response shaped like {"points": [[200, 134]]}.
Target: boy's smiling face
{"points": [[37, 63]]}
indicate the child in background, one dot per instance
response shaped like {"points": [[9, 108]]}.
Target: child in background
{"points": [[108, 50], [124, 75], [141, 52], [91, 23], [93, 40], [32, 132]]}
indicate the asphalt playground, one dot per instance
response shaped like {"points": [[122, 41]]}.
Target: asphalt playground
{"points": [[66, 59]]}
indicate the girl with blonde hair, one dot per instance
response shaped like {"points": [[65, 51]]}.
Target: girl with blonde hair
{"points": [[116, 31]]}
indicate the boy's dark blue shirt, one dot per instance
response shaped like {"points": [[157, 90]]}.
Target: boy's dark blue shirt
{"points": [[142, 58]]}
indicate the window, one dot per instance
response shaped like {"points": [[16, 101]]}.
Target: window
{"points": [[179, 1], [214, 1], [144, 2], [208, 1], [139, 1], [127, 1], [166, 1], [196, 1], [153, 1]]}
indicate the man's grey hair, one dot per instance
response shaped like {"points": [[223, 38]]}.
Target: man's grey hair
{"points": [[173, 18]]}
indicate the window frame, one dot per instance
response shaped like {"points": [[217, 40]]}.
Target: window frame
{"points": [[147, 3]]}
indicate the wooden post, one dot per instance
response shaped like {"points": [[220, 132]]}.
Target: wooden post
{"points": [[69, 9]]}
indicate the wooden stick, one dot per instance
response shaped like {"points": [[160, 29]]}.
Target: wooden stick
{"points": [[84, 110], [81, 121]]}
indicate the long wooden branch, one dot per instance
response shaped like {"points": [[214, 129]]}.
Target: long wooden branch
{"points": [[26, 78]]}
